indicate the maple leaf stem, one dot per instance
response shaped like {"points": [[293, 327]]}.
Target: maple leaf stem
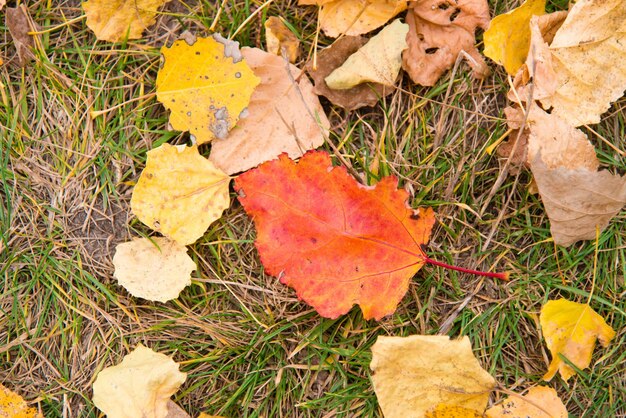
{"points": [[502, 276]]}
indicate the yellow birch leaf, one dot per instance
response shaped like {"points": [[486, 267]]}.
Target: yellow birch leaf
{"points": [[447, 411], [180, 193], [414, 375], [206, 86], [571, 330], [508, 37], [539, 402], [13, 405], [157, 270], [356, 17], [112, 20], [378, 61], [278, 37], [140, 386]]}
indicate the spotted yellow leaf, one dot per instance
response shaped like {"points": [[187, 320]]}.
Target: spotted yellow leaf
{"points": [[180, 193], [13, 405], [207, 86], [571, 330]]}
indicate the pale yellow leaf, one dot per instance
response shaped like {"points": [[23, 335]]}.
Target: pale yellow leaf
{"points": [[13, 405], [414, 375], [156, 271], [378, 61], [356, 17], [113, 20], [206, 86], [284, 116], [279, 38], [508, 37], [180, 193], [571, 330], [539, 402], [140, 386]]}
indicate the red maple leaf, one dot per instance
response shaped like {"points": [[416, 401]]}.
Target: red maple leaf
{"points": [[333, 240]]}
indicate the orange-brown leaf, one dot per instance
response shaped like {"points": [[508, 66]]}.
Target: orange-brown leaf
{"points": [[333, 240]]}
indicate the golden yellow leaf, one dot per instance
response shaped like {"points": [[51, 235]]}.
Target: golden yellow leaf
{"points": [[206, 86], [585, 69], [571, 330], [508, 37], [355, 17], [203, 415], [447, 411], [282, 118], [140, 386], [112, 20], [180, 193], [157, 270], [278, 37], [13, 405], [413, 375], [378, 61], [539, 402]]}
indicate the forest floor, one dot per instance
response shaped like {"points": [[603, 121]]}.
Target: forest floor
{"points": [[250, 348]]}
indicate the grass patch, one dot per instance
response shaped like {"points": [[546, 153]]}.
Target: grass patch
{"points": [[251, 349]]}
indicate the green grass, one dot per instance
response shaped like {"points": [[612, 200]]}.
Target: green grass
{"points": [[250, 348]]}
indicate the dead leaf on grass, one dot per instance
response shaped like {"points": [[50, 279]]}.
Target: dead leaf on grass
{"points": [[284, 116], [415, 375], [539, 402], [113, 20], [140, 386], [356, 17], [157, 269], [378, 61], [13, 405], [279, 38], [438, 32], [366, 94], [18, 23], [571, 330]]}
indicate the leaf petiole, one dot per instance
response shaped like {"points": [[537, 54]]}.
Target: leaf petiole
{"points": [[502, 276]]}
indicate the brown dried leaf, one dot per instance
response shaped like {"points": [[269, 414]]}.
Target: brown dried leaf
{"points": [[278, 119], [333, 57], [19, 24], [438, 32], [279, 38]]}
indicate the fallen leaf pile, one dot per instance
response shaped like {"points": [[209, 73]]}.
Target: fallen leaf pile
{"points": [[321, 232]]}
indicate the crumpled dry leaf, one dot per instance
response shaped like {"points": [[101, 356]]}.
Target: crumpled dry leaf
{"points": [[584, 68], [13, 405], [571, 330], [19, 24], [279, 38], [438, 32], [356, 17], [539, 402], [517, 154], [412, 374], [366, 94], [378, 61], [207, 86], [279, 120], [140, 386], [156, 271], [180, 193], [508, 37], [112, 20]]}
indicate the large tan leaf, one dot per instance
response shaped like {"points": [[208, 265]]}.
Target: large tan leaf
{"points": [[140, 386], [154, 270], [539, 402], [365, 94], [13, 405], [586, 67], [438, 32], [356, 17], [206, 86], [414, 375], [112, 20], [571, 330], [284, 116], [378, 61], [508, 38], [180, 193]]}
